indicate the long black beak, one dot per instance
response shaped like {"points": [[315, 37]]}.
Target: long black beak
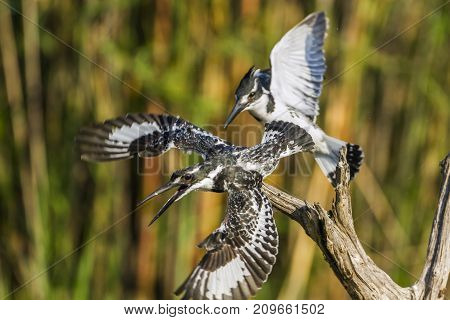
{"points": [[236, 110], [169, 185], [169, 202]]}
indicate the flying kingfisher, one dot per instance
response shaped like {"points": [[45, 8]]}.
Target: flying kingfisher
{"points": [[240, 253], [289, 91]]}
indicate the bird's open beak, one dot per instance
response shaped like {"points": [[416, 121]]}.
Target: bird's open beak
{"points": [[169, 185], [177, 195], [238, 107]]}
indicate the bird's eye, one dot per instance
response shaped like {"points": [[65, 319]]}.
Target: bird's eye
{"points": [[188, 176], [251, 95]]}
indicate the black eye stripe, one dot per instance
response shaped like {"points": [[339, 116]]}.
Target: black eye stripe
{"points": [[255, 95]]}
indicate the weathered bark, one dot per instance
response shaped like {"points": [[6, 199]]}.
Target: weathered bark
{"points": [[334, 233]]}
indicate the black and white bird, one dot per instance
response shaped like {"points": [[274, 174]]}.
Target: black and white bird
{"points": [[242, 251], [289, 91]]}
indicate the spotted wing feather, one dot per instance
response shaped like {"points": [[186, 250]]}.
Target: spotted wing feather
{"points": [[240, 253], [280, 139], [285, 139], [298, 65], [146, 135]]}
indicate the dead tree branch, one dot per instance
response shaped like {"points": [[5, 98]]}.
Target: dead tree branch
{"points": [[334, 233]]}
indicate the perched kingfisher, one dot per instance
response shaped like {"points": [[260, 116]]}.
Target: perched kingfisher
{"points": [[242, 251], [289, 91]]}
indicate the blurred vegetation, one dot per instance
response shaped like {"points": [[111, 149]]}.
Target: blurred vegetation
{"points": [[188, 56]]}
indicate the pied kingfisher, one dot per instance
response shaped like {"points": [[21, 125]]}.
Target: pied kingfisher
{"points": [[242, 251], [289, 91]]}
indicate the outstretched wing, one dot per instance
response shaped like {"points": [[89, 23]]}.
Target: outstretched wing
{"points": [[298, 65], [283, 139], [280, 139], [146, 135], [240, 253]]}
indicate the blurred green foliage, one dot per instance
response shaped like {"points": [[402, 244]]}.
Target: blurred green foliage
{"points": [[93, 60]]}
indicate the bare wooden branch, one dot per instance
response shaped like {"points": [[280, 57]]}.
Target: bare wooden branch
{"points": [[334, 233], [433, 281]]}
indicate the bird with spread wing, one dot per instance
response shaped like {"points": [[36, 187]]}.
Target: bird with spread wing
{"points": [[240, 253], [289, 91]]}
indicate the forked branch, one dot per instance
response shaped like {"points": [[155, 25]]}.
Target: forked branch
{"points": [[334, 233]]}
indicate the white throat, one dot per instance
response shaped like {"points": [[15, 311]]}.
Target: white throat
{"points": [[259, 109]]}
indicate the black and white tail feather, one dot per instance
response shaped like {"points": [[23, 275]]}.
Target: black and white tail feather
{"points": [[328, 161], [240, 253], [355, 157]]}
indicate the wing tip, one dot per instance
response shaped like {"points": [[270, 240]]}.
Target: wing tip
{"points": [[316, 19], [318, 22]]}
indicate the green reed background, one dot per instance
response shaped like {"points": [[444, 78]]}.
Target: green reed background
{"points": [[188, 56]]}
